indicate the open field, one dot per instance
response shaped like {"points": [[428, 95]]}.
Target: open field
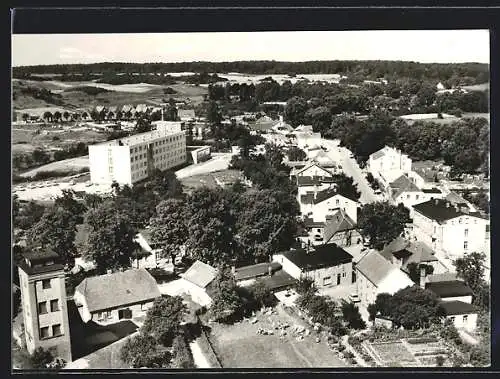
{"points": [[239, 346], [71, 165]]}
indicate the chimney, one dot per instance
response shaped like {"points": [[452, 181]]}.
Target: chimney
{"points": [[270, 270], [281, 118], [436, 201], [162, 115], [447, 204], [422, 277], [457, 208], [233, 270], [109, 271]]}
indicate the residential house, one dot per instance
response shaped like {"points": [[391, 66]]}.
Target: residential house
{"points": [[450, 229], [456, 301], [307, 139], [457, 200], [403, 190], [376, 275], [314, 232], [388, 163], [401, 252], [197, 282], [270, 274], [186, 114], [319, 204], [341, 229], [328, 265], [282, 127], [116, 296]]}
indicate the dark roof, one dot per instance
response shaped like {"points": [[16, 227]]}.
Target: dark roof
{"points": [[303, 181], [312, 164], [441, 210], [120, 288], [310, 223], [279, 280], [40, 255], [449, 288], [414, 251], [337, 222], [327, 255], [431, 190], [253, 271], [402, 184], [457, 308], [321, 196], [40, 270]]}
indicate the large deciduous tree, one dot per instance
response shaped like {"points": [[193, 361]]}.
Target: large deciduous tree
{"points": [[55, 231], [111, 240], [68, 202], [163, 319], [210, 224], [471, 269], [143, 351], [168, 226], [295, 153], [382, 222], [295, 111], [226, 300]]}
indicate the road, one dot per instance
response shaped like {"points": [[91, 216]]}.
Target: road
{"points": [[200, 360], [351, 168]]}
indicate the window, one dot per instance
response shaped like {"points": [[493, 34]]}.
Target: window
{"points": [[44, 332], [459, 220], [327, 280], [452, 318], [54, 305], [464, 318], [56, 330], [42, 308], [408, 196], [337, 202], [416, 197], [466, 232], [466, 245], [46, 284], [343, 274], [318, 230]]}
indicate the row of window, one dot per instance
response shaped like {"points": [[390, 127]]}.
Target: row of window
{"points": [[103, 315], [56, 331], [464, 318], [43, 309], [157, 143]]}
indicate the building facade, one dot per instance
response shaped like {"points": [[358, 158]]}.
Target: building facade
{"points": [[132, 159], [450, 229], [43, 299], [388, 164]]}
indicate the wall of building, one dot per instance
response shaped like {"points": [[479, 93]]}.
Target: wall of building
{"points": [[328, 276], [330, 205], [32, 293], [113, 315], [109, 163], [463, 299], [467, 322], [289, 267], [315, 171], [454, 235], [342, 238], [366, 290]]}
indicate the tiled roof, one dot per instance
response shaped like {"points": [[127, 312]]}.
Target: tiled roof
{"points": [[200, 274], [186, 113], [375, 267], [307, 181], [444, 277], [312, 165], [455, 307], [327, 255], [410, 251], [401, 185], [378, 154], [431, 190], [337, 222], [120, 288], [40, 255], [449, 288], [321, 196], [279, 280], [310, 223], [441, 210], [253, 271]]}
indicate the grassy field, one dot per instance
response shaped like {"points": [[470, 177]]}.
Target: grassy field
{"points": [[478, 87], [239, 346], [117, 95], [72, 165]]}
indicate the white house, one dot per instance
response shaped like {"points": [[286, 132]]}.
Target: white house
{"points": [[115, 296], [197, 282], [404, 191], [388, 163], [318, 204], [450, 229], [463, 315], [375, 275], [328, 265]]}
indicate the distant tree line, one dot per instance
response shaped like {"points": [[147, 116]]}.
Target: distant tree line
{"points": [[455, 72]]}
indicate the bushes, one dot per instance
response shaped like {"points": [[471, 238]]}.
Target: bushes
{"points": [[182, 353], [41, 358]]}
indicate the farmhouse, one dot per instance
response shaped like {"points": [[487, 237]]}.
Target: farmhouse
{"points": [[341, 229], [115, 296], [452, 229], [463, 315], [270, 274], [328, 265], [375, 275]]}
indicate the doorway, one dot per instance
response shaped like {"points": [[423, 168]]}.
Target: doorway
{"points": [[338, 279], [124, 314]]}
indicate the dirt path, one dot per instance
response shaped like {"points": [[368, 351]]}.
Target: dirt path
{"points": [[199, 359]]}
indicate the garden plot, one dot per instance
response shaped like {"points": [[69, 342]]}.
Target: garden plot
{"points": [[390, 354]]}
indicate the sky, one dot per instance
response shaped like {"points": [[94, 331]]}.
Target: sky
{"points": [[426, 46]]}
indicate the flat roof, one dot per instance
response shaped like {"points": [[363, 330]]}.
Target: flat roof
{"points": [[140, 138]]}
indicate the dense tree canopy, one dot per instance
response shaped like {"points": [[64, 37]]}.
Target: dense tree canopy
{"points": [[163, 319], [471, 268], [382, 222], [226, 300], [168, 226], [143, 351]]}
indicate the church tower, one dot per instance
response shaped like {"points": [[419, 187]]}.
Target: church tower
{"points": [[43, 299]]}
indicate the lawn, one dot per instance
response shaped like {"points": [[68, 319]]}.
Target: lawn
{"points": [[393, 354], [239, 346]]}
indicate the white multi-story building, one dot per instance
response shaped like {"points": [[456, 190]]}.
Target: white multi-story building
{"points": [[451, 229], [388, 164], [132, 159]]}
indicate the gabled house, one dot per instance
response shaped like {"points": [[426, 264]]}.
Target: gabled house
{"points": [[197, 282], [186, 114], [401, 252], [451, 229], [317, 205], [375, 275], [270, 274], [456, 300], [388, 163], [341, 229], [115, 296], [456, 200], [403, 190], [327, 265]]}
